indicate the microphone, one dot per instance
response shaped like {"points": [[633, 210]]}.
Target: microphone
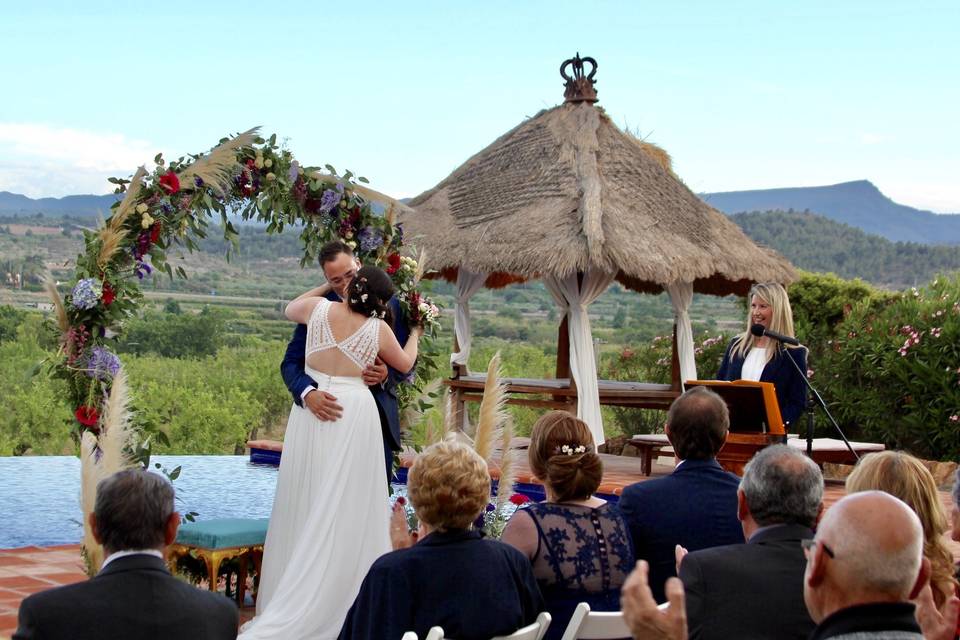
{"points": [[759, 330]]}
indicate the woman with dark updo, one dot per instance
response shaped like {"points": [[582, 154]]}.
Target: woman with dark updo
{"points": [[331, 511], [578, 544]]}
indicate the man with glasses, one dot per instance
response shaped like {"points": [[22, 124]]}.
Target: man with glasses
{"points": [[339, 267], [755, 590], [863, 567]]}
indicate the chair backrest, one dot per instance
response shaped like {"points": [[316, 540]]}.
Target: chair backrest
{"points": [[410, 635], [435, 633], [596, 625], [534, 631]]}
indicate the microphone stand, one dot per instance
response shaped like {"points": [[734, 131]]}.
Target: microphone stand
{"points": [[812, 392]]}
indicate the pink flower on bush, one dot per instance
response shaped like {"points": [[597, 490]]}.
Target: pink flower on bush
{"points": [[935, 332], [954, 418]]}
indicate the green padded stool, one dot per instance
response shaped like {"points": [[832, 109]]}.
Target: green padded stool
{"points": [[214, 541]]}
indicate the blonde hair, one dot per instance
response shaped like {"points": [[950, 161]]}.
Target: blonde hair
{"points": [[781, 318], [449, 486], [904, 476]]}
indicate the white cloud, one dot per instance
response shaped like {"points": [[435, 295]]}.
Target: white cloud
{"points": [[42, 160], [872, 138]]}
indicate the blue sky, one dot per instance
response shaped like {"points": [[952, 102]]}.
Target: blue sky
{"points": [[743, 95]]}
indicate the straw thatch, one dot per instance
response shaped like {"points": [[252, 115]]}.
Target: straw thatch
{"points": [[567, 190]]}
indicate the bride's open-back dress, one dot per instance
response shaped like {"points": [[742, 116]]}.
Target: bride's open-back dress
{"points": [[331, 512]]}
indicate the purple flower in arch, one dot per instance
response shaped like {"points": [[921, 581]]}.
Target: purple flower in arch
{"points": [[371, 239], [86, 293], [294, 171], [329, 201], [102, 364]]}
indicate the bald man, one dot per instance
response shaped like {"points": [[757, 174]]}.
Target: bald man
{"points": [[863, 566]]}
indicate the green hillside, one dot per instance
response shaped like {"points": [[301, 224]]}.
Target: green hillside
{"points": [[817, 243]]}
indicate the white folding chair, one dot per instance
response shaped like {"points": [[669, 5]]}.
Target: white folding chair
{"points": [[435, 633], [534, 631], [410, 635], [596, 625]]}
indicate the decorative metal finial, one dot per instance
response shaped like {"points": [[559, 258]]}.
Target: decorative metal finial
{"points": [[579, 88]]}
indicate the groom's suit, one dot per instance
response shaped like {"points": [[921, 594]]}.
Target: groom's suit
{"points": [[385, 394]]}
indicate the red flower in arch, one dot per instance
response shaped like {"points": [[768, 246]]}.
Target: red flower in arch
{"points": [[87, 416], [394, 261], [109, 295], [169, 182]]}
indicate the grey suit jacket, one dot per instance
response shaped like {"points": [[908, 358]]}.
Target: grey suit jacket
{"points": [[133, 597], [751, 590]]}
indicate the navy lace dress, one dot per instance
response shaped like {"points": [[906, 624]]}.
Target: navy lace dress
{"points": [[584, 554]]}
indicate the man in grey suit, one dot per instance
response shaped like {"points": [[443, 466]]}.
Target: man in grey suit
{"points": [[133, 595], [755, 590]]}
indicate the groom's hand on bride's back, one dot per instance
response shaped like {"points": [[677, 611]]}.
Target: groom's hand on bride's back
{"points": [[375, 373], [323, 405]]}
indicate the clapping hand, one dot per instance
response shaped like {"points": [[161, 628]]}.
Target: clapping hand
{"points": [[641, 613]]}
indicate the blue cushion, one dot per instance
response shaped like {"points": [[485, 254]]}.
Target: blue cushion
{"points": [[223, 534]]}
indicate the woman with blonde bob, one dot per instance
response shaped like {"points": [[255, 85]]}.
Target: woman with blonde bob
{"points": [[904, 476], [577, 543], [763, 359], [452, 577]]}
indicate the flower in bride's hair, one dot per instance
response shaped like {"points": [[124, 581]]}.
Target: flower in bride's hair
{"points": [[363, 298], [353, 301]]}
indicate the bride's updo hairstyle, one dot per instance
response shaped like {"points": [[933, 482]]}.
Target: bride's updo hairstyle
{"points": [[562, 455], [369, 293]]}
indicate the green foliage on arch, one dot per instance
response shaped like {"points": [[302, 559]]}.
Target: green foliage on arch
{"points": [[172, 207]]}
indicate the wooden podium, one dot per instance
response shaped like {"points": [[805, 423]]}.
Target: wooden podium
{"points": [[755, 420]]}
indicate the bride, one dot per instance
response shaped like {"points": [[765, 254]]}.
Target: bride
{"points": [[331, 514]]}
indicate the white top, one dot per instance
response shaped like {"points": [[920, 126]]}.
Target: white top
{"points": [[361, 347], [753, 364]]}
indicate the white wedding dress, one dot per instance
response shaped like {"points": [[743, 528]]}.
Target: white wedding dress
{"points": [[331, 510]]}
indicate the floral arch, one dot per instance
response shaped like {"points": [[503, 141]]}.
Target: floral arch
{"points": [[172, 206]]}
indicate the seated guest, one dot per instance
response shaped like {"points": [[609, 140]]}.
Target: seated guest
{"points": [[453, 578], [755, 590], [863, 567], [904, 476], [578, 544], [696, 505], [133, 595]]}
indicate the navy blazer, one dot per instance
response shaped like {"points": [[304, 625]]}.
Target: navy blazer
{"points": [[132, 597], [472, 587], [752, 590], [296, 379], [695, 506], [791, 391]]}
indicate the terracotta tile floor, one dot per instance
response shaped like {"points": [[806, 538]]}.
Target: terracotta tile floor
{"points": [[30, 569]]}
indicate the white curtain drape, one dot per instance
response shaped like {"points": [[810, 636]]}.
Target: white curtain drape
{"points": [[681, 297], [573, 299], [468, 283]]}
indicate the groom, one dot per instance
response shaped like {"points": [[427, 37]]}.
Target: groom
{"points": [[340, 266]]}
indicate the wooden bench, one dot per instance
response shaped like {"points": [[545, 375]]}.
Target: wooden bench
{"points": [[214, 541], [649, 446]]}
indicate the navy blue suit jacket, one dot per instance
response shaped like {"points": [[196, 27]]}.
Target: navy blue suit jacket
{"points": [[695, 506], [132, 597], [752, 590], [296, 379], [474, 588], [791, 391]]}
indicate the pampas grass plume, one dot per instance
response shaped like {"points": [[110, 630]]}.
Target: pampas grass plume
{"points": [[492, 412]]}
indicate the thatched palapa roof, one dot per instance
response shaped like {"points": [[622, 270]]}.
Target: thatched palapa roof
{"points": [[567, 189]]}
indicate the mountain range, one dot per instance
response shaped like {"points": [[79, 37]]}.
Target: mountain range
{"points": [[857, 204]]}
